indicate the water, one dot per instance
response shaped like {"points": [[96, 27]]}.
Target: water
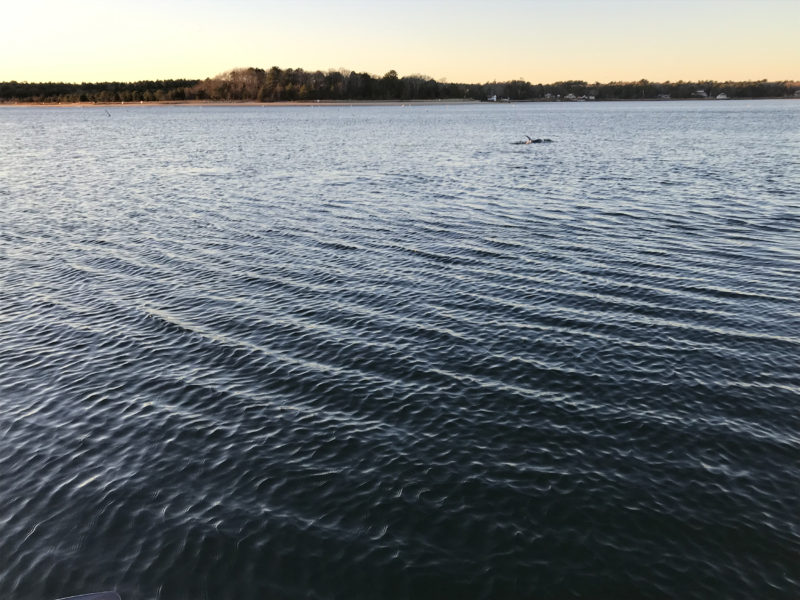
{"points": [[381, 352]]}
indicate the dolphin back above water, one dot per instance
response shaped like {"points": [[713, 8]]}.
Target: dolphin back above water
{"points": [[530, 140]]}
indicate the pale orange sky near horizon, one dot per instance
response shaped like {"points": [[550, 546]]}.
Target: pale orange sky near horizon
{"points": [[467, 41]]}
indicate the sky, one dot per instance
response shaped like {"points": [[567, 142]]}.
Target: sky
{"points": [[468, 41]]}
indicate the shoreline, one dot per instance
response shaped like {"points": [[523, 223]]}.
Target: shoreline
{"points": [[351, 103], [249, 103]]}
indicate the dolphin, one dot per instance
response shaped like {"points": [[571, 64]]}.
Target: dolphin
{"points": [[530, 140]]}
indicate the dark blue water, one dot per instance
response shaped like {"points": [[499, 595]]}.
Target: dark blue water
{"points": [[382, 352]]}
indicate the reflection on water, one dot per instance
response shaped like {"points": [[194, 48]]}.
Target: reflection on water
{"points": [[385, 353]]}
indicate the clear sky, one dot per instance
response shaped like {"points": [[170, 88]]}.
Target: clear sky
{"points": [[460, 41]]}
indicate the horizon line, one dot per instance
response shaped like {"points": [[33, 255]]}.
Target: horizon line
{"points": [[411, 75]]}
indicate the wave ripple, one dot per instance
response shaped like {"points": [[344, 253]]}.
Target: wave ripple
{"points": [[238, 360]]}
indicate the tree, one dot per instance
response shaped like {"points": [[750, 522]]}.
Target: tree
{"points": [[391, 86]]}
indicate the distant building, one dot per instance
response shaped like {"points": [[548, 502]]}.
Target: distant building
{"points": [[797, 93], [569, 97], [492, 98], [664, 96], [700, 94], [549, 96], [722, 96]]}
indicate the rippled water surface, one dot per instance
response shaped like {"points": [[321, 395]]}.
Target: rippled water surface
{"points": [[381, 352]]}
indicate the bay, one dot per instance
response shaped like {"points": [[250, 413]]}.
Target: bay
{"points": [[384, 352]]}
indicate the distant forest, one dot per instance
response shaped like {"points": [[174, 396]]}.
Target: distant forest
{"points": [[275, 84]]}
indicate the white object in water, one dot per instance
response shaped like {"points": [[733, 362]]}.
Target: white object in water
{"points": [[95, 596]]}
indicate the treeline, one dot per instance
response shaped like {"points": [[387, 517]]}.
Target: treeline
{"points": [[685, 89], [278, 84], [139, 91]]}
